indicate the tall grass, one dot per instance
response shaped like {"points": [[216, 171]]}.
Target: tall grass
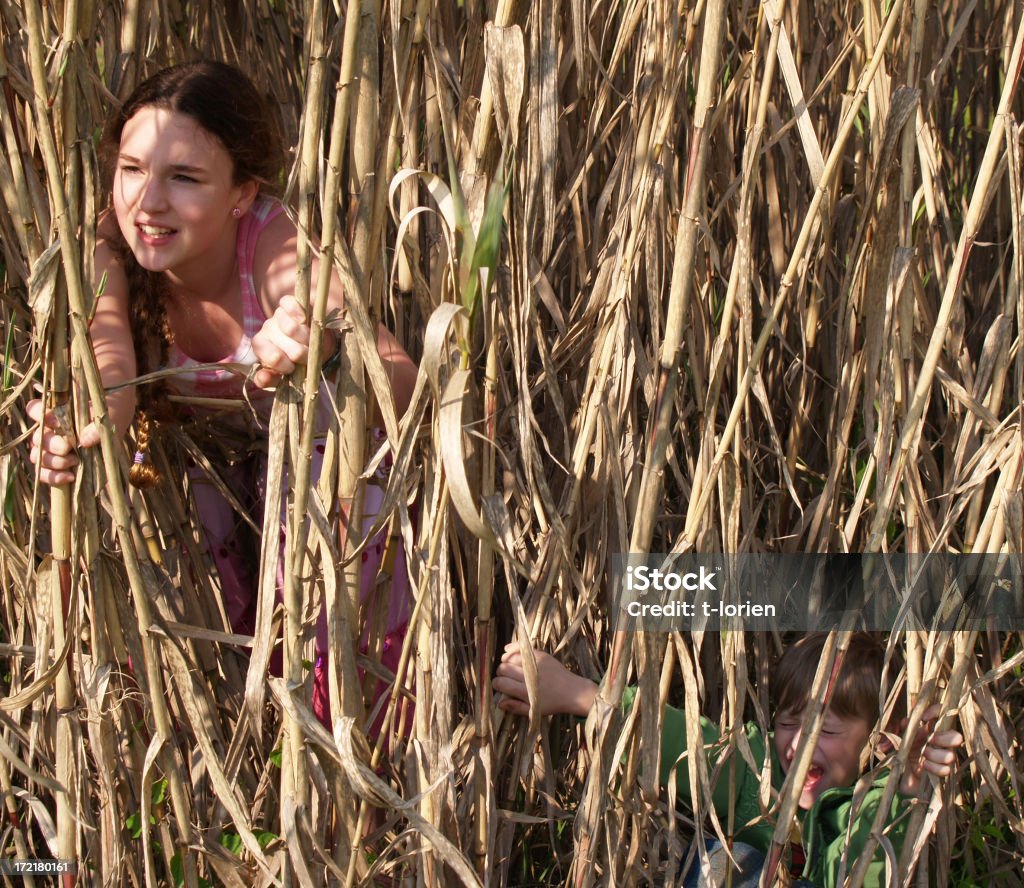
{"points": [[712, 276]]}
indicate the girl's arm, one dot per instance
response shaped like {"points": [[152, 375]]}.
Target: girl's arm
{"points": [[110, 333], [283, 341]]}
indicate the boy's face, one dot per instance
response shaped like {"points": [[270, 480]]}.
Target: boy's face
{"points": [[837, 757]]}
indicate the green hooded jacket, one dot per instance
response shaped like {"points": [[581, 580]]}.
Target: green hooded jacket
{"points": [[827, 827]]}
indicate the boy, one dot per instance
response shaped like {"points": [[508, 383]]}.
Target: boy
{"points": [[837, 762]]}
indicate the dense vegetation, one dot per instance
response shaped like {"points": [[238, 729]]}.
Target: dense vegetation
{"points": [[714, 275]]}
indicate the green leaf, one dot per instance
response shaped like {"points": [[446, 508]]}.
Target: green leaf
{"points": [[8, 354], [993, 831], [231, 841], [158, 792], [9, 501], [133, 823], [488, 243]]}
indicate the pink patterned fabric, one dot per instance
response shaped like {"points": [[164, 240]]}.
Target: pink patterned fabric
{"points": [[234, 556], [215, 383]]}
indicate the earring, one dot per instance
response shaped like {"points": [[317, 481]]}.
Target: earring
{"points": [[236, 213]]}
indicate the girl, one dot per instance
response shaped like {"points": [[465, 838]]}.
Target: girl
{"points": [[199, 264]]}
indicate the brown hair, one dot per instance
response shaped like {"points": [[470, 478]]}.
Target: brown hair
{"points": [[856, 686], [226, 104]]}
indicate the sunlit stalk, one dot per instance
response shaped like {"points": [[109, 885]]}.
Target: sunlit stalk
{"points": [[682, 282], [295, 786], [972, 223]]}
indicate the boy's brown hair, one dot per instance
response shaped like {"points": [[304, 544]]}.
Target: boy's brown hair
{"points": [[857, 686]]}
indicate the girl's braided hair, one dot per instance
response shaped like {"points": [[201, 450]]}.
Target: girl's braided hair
{"points": [[226, 104]]}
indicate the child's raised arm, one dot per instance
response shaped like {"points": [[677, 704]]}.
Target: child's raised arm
{"points": [[559, 690], [283, 341], [110, 333]]}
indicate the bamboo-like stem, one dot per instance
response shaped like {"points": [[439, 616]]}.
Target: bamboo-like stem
{"points": [[483, 129], [682, 282], [77, 305], [64, 621], [60, 495], [410, 114], [954, 280], [295, 787], [357, 108], [420, 633], [364, 123], [128, 62], [484, 627], [342, 610], [739, 281], [901, 359], [699, 503]]}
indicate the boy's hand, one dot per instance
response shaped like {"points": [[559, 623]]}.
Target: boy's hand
{"points": [[558, 689], [929, 752], [53, 451]]}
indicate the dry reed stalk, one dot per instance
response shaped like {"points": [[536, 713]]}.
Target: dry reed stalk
{"points": [[296, 783], [682, 279], [651, 481], [343, 606], [79, 312], [978, 203], [55, 584], [738, 291], [697, 506], [502, 94], [571, 350]]}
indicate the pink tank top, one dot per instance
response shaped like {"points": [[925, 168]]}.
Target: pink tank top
{"points": [[216, 383]]}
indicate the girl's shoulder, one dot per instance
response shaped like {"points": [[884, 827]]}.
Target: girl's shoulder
{"points": [[273, 231], [106, 227], [264, 210], [264, 232], [108, 237], [271, 252], [107, 258]]}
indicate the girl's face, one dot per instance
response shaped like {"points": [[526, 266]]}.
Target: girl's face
{"points": [[174, 193]]}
